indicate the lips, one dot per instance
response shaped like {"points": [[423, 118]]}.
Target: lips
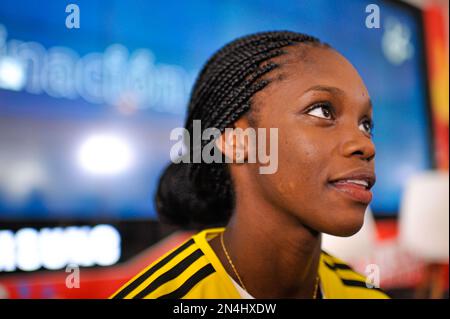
{"points": [[355, 185]]}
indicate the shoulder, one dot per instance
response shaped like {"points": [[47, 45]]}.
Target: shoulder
{"points": [[342, 281], [173, 275]]}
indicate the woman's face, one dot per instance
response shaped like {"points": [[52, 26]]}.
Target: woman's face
{"points": [[323, 113]]}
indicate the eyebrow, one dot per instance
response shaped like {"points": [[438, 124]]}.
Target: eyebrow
{"points": [[331, 89], [334, 90]]}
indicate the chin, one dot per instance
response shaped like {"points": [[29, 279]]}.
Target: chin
{"points": [[345, 225]]}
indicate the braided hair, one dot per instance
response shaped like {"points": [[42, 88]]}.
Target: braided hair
{"points": [[196, 195]]}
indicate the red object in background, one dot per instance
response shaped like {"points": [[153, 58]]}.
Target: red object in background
{"points": [[438, 74], [98, 283], [400, 269]]}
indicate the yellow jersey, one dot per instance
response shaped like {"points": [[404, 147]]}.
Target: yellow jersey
{"points": [[193, 271]]}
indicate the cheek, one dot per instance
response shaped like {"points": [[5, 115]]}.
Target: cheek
{"points": [[302, 161]]}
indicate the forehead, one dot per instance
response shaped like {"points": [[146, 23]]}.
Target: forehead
{"points": [[305, 66]]}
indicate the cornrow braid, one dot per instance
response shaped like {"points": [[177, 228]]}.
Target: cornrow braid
{"points": [[197, 195], [252, 57], [250, 71]]}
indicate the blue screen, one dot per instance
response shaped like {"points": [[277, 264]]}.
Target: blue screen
{"points": [[123, 79]]}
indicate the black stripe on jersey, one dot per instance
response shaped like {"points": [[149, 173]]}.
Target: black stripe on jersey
{"points": [[191, 282], [170, 274], [134, 284], [337, 266], [325, 253], [355, 283], [359, 284], [348, 282]]}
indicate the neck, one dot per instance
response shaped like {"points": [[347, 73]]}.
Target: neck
{"points": [[275, 255]]}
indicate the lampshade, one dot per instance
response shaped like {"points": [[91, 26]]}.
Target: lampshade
{"points": [[424, 216]]}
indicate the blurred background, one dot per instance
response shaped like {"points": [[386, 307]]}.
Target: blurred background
{"points": [[86, 112]]}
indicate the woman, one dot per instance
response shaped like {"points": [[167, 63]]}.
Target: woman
{"points": [[270, 246]]}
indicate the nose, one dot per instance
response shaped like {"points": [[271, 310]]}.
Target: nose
{"points": [[359, 145]]}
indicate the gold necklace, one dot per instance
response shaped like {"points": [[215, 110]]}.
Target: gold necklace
{"points": [[316, 288], [231, 263], [239, 277]]}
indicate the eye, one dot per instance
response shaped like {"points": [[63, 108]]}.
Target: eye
{"points": [[321, 111], [367, 126]]}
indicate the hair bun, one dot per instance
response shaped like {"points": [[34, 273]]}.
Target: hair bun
{"points": [[184, 201]]}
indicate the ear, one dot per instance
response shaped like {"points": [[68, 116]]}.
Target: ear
{"points": [[233, 144]]}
